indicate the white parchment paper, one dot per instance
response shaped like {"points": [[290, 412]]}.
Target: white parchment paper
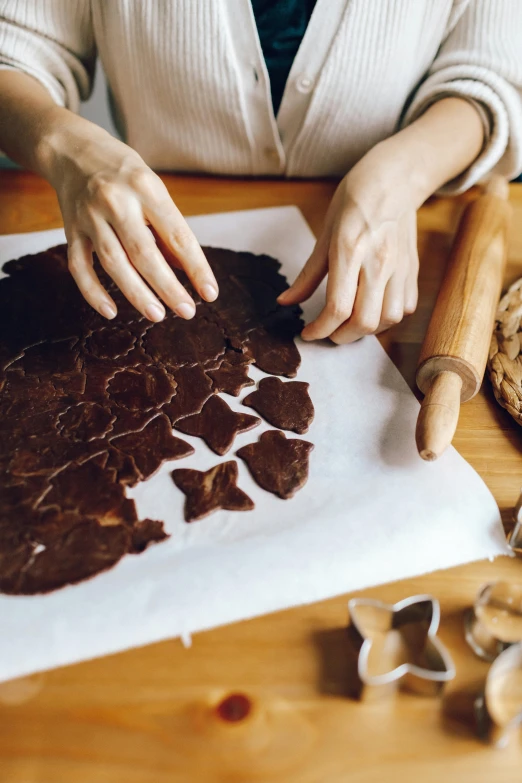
{"points": [[371, 512]]}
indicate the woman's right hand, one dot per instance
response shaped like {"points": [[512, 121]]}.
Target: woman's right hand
{"points": [[109, 197]]}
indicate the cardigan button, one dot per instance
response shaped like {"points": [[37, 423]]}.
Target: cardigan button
{"points": [[304, 84]]}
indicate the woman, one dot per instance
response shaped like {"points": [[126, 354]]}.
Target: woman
{"points": [[401, 98]]}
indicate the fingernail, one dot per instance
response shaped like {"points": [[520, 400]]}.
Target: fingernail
{"points": [[155, 312], [108, 310], [209, 292], [185, 310]]}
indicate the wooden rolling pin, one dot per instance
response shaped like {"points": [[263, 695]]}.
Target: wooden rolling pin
{"points": [[455, 350]]}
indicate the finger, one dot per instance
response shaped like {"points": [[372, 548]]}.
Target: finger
{"points": [[81, 268], [171, 259], [411, 286], [411, 293], [310, 275], [393, 303], [144, 254], [115, 262], [367, 310], [338, 308], [316, 267], [343, 274], [175, 232], [411, 290]]}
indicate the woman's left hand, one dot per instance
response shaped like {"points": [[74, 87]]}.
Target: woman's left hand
{"points": [[368, 249]]}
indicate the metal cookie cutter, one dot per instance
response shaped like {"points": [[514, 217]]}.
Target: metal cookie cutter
{"points": [[494, 622], [397, 646], [498, 709], [515, 537]]}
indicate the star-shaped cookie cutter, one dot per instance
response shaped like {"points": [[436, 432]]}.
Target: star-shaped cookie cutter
{"points": [[498, 709], [397, 646]]}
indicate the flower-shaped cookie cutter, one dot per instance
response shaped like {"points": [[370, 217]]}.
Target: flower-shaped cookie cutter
{"points": [[498, 709], [494, 622], [397, 646], [515, 537]]}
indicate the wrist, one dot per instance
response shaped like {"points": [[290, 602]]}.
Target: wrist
{"points": [[51, 142], [407, 168], [69, 142], [442, 143], [388, 179]]}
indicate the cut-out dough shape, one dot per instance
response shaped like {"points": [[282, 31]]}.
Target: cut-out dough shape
{"points": [[284, 405], [176, 342], [152, 446], [278, 464], [211, 490], [142, 388], [111, 343], [193, 389], [232, 374], [274, 354], [86, 421], [217, 425]]}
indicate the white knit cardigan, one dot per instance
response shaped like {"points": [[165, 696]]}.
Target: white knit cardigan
{"points": [[190, 89]]}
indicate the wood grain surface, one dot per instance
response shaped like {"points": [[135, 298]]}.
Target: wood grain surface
{"points": [[265, 700]]}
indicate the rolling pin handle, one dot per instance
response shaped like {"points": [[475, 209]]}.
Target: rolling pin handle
{"points": [[439, 415]]}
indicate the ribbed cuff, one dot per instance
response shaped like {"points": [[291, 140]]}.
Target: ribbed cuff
{"points": [[53, 87], [500, 109], [64, 75]]}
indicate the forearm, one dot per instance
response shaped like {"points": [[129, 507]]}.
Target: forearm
{"points": [[34, 131], [417, 161], [109, 198], [442, 143]]}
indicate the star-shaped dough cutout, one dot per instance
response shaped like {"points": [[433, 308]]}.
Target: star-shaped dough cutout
{"points": [[399, 640], [217, 424], [211, 490], [278, 464], [232, 374]]}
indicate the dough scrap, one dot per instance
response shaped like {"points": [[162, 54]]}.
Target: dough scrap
{"points": [[145, 533]]}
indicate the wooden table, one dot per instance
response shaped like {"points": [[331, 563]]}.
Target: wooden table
{"points": [[148, 715]]}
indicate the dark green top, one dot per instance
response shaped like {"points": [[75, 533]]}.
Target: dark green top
{"points": [[281, 25]]}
